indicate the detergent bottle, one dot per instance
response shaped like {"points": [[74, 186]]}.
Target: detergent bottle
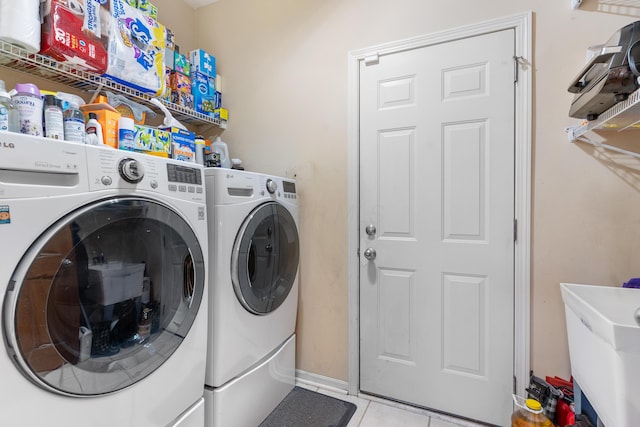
{"points": [[220, 147], [27, 99], [9, 119]]}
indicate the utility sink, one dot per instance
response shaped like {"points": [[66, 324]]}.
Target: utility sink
{"points": [[604, 347]]}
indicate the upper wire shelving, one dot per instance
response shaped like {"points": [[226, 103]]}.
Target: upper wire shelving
{"points": [[45, 67], [623, 116]]}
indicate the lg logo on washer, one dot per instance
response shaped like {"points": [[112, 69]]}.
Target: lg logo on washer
{"points": [[7, 145]]}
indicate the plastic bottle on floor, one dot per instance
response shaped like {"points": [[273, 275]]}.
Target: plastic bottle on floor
{"points": [[528, 414]]}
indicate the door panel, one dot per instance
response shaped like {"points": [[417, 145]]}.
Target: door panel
{"points": [[437, 182]]}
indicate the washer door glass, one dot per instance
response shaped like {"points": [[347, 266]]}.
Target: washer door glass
{"points": [[265, 258], [104, 297]]}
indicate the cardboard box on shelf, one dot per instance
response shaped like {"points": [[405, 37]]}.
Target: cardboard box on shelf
{"points": [[183, 144], [202, 87], [170, 39], [202, 62], [149, 140], [107, 116], [169, 58], [221, 113], [148, 8], [179, 82], [183, 99], [181, 64]]}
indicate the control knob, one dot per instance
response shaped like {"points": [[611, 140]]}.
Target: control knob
{"points": [[131, 170], [272, 186]]}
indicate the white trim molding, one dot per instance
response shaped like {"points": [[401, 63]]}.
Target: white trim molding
{"points": [[522, 25], [315, 380]]}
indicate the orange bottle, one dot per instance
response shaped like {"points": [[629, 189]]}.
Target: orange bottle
{"points": [[529, 414]]}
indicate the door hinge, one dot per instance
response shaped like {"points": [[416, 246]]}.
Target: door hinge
{"points": [[372, 59], [515, 230], [516, 63], [514, 384]]}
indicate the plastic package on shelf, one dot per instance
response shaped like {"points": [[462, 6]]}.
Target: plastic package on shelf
{"points": [[20, 23], [76, 33], [136, 49]]}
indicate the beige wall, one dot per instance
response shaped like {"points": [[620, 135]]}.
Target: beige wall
{"points": [[284, 67]]}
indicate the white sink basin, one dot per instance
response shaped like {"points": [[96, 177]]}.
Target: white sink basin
{"points": [[604, 347]]}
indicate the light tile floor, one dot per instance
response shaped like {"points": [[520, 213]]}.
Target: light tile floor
{"points": [[374, 412]]}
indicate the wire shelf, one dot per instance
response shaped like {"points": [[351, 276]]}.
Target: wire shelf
{"points": [[627, 3], [42, 66]]}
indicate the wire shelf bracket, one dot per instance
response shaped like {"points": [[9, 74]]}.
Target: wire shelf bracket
{"points": [[621, 117]]}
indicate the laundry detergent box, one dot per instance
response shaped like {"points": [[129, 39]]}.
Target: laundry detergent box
{"points": [[179, 82], [181, 63], [108, 118], [182, 99], [149, 140], [183, 144], [202, 62]]}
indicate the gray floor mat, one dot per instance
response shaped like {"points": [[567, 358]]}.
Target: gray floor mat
{"points": [[306, 408]]}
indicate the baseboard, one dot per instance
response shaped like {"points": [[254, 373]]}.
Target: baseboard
{"points": [[316, 380]]}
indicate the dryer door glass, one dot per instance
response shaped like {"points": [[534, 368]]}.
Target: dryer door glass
{"points": [[265, 258], [105, 297]]}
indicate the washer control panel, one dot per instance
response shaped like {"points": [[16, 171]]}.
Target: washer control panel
{"points": [[124, 170]]}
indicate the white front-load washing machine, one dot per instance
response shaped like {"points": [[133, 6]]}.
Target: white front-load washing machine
{"points": [[253, 295], [104, 286]]}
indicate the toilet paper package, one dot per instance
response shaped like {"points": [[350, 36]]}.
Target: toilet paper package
{"points": [[136, 49], [20, 23], [75, 32]]}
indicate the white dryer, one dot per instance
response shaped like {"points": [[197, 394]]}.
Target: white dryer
{"points": [[254, 253], [104, 286]]}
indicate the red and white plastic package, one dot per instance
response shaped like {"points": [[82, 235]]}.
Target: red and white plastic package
{"points": [[76, 32]]}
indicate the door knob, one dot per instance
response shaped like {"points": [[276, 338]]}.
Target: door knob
{"points": [[370, 254], [370, 230]]}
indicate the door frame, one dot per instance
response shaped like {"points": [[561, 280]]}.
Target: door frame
{"points": [[521, 23]]}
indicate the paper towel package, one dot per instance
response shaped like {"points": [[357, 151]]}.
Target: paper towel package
{"points": [[20, 23], [76, 33], [135, 49]]}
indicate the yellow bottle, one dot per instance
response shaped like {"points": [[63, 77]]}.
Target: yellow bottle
{"points": [[529, 414]]}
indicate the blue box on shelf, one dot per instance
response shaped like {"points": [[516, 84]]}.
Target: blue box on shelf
{"points": [[203, 62]]}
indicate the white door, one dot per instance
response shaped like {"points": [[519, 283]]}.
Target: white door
{"points": [[437, 190]]}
